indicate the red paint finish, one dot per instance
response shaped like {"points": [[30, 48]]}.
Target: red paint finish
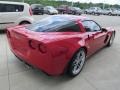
{"points": [[52, 51]]}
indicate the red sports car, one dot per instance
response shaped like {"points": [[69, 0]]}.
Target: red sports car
{"points": [[59, 43]]}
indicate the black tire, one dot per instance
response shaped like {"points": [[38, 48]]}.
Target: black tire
{"points": [[110, 14], [24, 22], [93, 13], [111, 39], [98, 14], [73, 13], [42, 13], [78, 61], [79, 13], [48, 13], [85, 12]]}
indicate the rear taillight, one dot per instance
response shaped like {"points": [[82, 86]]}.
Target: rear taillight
{"points": [[32, 44], [38, 46], [30, 11], [8, 34], [42, 48]]}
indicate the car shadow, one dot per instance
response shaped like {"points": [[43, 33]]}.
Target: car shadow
{"points": [[97, 52], [40, 75], [50, 79]]}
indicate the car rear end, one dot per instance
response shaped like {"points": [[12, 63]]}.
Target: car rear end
{"points": [[37, 9], [116, 12], [43, 44], [51, 10], [54, 11], [32, 51], [63, 9]]}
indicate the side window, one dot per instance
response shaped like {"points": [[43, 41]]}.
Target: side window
{"points": [[2, 8], [91, 26], [95, 26], [87, 26], [71, 27], [11, 8], [19, 8]]}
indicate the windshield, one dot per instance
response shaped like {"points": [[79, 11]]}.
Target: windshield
{"points": [[50, 24], [51, 8]]}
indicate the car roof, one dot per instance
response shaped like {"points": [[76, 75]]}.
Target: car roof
{"points": [[72, 17], [11, 2], [48, 6]]}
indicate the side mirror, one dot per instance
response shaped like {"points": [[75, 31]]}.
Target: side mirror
{"points": [[104, 30]]}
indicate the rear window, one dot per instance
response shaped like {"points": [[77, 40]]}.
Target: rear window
{"points": [[11, 8], [54, 24]]}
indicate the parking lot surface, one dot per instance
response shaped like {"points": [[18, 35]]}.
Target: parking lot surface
{"points": [[101, 72]]}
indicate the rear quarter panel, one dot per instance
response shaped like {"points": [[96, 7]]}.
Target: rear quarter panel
{"points": [[62, 51]]}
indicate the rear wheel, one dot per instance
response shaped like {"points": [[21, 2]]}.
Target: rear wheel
{"points": [[110, 14], [93, 13], [77, 63]]}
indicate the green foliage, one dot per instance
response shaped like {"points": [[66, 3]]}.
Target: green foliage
{"points": [[56, 3]]}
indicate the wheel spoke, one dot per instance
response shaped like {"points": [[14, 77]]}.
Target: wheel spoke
{"points": [[79, 61]]}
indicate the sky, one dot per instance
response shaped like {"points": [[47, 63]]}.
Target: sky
{"points": [[99, 1]]}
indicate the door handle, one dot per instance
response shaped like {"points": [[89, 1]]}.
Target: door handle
{"points": [[89, 36]]}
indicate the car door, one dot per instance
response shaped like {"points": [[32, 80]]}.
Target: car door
{"points": [[99, 35], [10, 13], [95, 33], [90, 37]]}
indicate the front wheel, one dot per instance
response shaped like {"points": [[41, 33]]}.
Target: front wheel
{"points": [[93, 13], [111, 39], [77, 63], [49, 13]]}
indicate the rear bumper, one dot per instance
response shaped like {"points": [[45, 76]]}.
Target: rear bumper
{"points": [[29, 64], [53, 12], [45, 62], [41, 63]]}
